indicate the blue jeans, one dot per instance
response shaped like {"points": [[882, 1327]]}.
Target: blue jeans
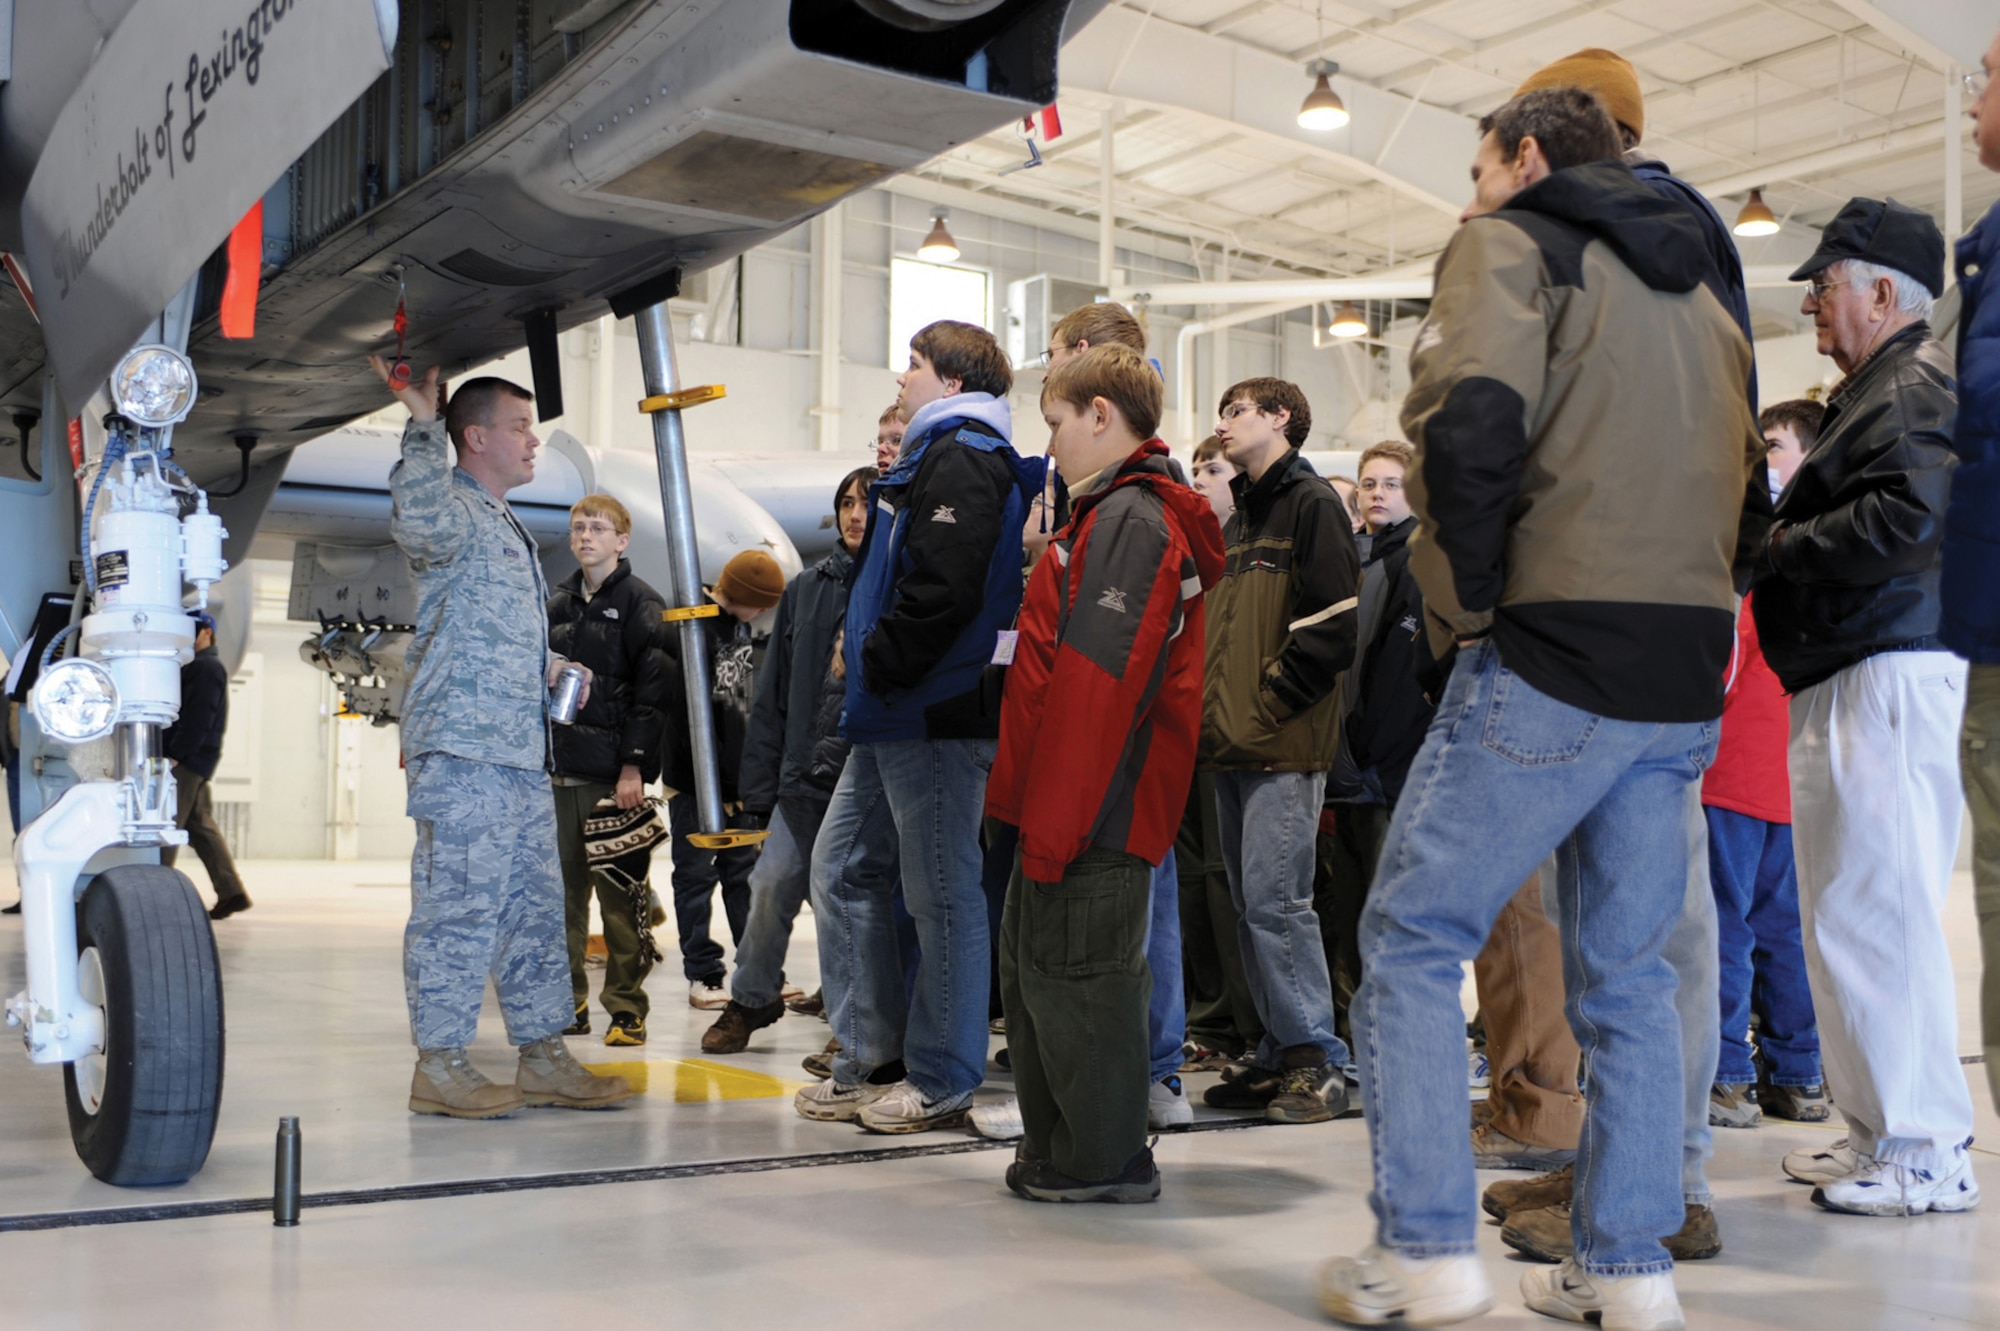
{"points": [[1271, 879], [1763, 953], [1507, 774], [697, 873], [1166, 1014], [778, 887], [918, 802]]}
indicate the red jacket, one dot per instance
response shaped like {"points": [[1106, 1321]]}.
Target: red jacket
{"points": [[1103, 703], [1749, 775]]}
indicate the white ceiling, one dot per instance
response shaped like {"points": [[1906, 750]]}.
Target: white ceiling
{"points": [[1738, 92]]}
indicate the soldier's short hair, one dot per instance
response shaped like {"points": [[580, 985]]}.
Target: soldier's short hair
{"points": [[965, 352], [473, 401], [603, 506], [1099, 323], [1116, 373], [1272, 396]]}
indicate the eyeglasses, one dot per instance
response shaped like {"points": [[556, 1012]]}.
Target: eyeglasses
{"points": [[592, 529], [1047, 358], [1236, 409], [1818, 287], [1975, 83]]}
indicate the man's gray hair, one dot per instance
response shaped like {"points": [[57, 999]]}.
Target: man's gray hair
{"points": [[1911, 296]]}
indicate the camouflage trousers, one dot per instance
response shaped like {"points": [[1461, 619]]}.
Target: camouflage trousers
{"points": [[486, 899]]}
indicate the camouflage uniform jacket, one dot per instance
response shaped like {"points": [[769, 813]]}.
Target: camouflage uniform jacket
{"points": [[479, 658]]}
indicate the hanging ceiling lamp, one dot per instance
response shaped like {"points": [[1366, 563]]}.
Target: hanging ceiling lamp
{"points": [[1756, 219], [1348, 321], [938, 246], [1322, 109]]}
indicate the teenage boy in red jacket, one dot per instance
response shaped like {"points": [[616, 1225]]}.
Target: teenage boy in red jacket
{"points": [[1097, 740]]}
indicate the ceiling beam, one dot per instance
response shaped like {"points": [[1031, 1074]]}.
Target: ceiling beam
{"points": [[1939, 32], [1169, 67]]}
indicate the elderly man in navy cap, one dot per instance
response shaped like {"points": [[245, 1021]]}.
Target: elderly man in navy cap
{"points": [[1847, 608]]}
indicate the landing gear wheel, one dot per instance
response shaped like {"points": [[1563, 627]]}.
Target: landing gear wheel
{"points": [[142, 1110]]}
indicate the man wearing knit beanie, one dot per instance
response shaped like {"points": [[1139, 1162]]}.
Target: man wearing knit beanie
{"points": [[1692, 948], [751, 584]]}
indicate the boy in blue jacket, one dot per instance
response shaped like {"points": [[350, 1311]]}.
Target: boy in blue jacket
{"points": [[937, 580]]}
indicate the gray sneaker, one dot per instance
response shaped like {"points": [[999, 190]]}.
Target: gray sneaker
{"points": [[1733, 1106], [1494, 1149], [903, 1108], [830, 1102]]}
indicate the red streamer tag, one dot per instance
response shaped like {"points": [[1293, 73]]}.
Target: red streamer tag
{"points": [[246, 260], [1051, 123]]}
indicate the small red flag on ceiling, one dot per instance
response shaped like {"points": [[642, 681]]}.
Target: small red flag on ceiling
{"points": [[246, 261]]}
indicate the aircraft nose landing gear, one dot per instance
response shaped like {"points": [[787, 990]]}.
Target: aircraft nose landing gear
{"points": [[123, 985]]}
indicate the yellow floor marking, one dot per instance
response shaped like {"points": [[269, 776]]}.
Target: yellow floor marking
{"points": [[697, 1080]]}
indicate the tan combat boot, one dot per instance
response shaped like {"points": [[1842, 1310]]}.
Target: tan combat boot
{"points": [[446, 1083], [549, 1075]]}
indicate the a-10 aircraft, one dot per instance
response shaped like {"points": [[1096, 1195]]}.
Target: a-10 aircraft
{"points": [[175, 172]]}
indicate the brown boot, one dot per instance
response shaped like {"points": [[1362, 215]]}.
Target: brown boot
{"points": [[446, 1083], [1504, 1198], [731, 1032], [1545, 1235], [550, 1075]]}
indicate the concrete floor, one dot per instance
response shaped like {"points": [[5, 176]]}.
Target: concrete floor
{"points": [[893, 1237]]}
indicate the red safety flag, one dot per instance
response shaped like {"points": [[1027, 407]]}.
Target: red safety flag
{"points": [[1051, 123], [246, 261]]}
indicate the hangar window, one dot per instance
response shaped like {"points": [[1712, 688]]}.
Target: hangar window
{"points": [[921, 293]]}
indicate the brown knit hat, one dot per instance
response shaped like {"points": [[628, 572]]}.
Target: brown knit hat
{"points": [[751, 579], [1607, 74]]}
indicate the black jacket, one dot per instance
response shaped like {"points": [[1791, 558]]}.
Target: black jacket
{"points": [[194, 740], [1851, 567], [735, 659], [618, 634], [1385, 712], [786, 729]]}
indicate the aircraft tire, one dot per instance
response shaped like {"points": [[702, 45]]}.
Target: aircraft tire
{"points": [[143, 1111]]}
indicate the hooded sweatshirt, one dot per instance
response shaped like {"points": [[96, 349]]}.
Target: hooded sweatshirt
{"points": [[1585, 448], [938, 575], [1103, 701]]}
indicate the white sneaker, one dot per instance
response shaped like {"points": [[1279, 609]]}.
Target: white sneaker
{"points": [[999, 1121], [1380, 1287], [1616, 1303], [1479, 1072], [904, 1108], [1881, 1188], [708, 994], [1167, 1106], [1825, 1164], [830, 1102]]}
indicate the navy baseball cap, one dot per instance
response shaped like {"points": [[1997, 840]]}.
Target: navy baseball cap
{"points": [[1882, 231], [202, 619]]}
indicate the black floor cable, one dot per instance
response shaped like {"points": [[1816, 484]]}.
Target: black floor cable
{"points": [[581, 1178]]}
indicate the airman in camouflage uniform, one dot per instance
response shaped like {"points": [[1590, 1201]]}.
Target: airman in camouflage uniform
{"points": [[485, 887]]}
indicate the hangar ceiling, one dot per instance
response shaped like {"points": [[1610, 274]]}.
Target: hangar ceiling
{"points": [[1815, 101]]}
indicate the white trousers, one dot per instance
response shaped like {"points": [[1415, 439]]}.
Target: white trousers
{"points": [[1875, 816]]}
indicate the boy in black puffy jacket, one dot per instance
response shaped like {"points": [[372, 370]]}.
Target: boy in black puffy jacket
{"points": [[603, 617]]}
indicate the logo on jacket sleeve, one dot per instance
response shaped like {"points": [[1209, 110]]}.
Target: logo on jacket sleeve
{"points": [[1113, 599], [943, 514]]}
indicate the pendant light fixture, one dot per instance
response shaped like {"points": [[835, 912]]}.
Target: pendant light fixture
{"points": [[938, 246], [1756, 219], [1348, 321], [1322, 110]]}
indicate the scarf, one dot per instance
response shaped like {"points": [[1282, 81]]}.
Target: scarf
{"points": [[619, 845]]}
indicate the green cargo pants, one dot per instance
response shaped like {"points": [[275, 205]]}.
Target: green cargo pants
{"points": [[1074, 980], [624, 973]]}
